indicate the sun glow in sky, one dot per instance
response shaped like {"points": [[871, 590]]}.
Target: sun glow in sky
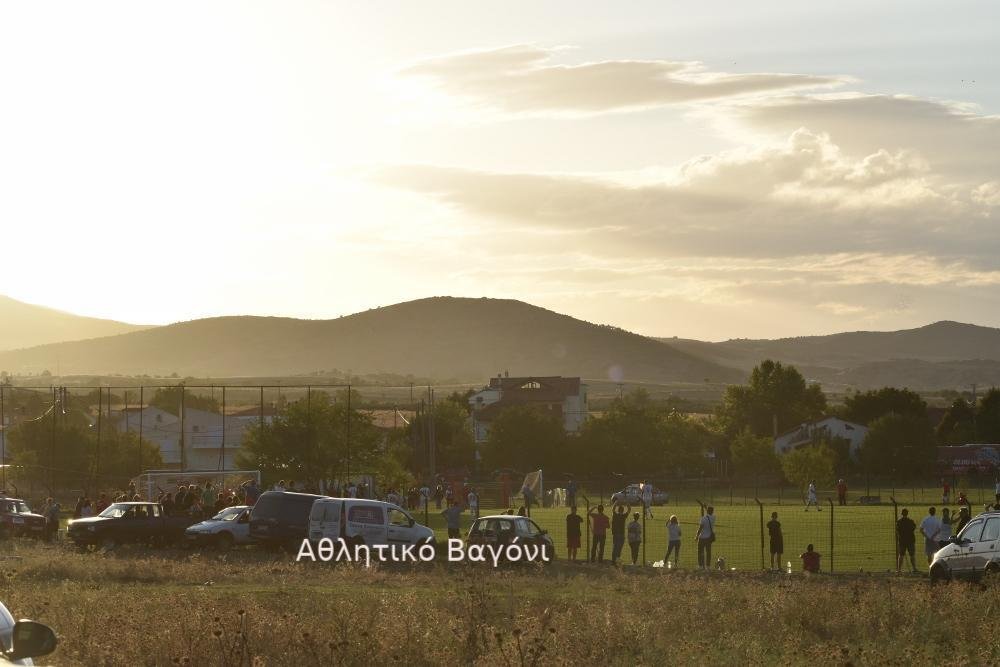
{"points": [[706, 170]]}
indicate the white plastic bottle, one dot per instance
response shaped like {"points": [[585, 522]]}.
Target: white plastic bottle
{"points": [[788, 567]]}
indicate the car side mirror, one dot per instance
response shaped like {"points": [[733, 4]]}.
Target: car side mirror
{"points": [[30, 640]]}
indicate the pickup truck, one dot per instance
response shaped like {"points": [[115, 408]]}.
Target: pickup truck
{"points": [[129, 522]]}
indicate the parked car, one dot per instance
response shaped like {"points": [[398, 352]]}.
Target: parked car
{"points": [[370, 522], [281, 518], [23, 640], [504, 529], [17, 519], [128, 522], [972, 554], [226, 529], [632, 495]]}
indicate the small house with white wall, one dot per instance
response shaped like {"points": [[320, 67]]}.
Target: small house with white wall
{"points": [[564, 397], [827, 428]]}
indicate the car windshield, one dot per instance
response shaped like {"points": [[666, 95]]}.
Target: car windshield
{"points": [[228, 514], [116, 511], [16, 507]]}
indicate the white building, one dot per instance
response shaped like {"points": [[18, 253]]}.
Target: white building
{"points": [[826, 428], [564, 397], [203, 442]]}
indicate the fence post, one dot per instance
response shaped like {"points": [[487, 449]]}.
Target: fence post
{"points": [[895, 535], [645, 536], [760, 506], [830, 500]]}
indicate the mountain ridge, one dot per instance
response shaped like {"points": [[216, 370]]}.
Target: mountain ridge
{"points": [[442, 337], [28, 325]]}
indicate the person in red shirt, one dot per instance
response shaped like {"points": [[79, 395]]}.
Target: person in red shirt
{"points": [[810, 560], [841, 492], [599, 525]]}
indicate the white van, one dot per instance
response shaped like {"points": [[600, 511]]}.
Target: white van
{"points": [[370, 522]]}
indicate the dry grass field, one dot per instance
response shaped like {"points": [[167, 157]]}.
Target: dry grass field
{"points": [[246, 607]]}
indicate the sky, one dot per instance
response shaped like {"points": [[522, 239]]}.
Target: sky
{"points": [[696, 169]]}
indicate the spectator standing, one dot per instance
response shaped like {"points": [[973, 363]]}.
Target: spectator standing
{"points": [[945, 533], [963, 518], [571, 492], [905, 540], [945, 492], [810, 560], [87, 510], [208, 496], [618, 517], [473, 499], [634, 537], [529, 498], [705, 537], [51, 519], [811, 497], [425, 495], [352, 490], [573, 523], [438, 496], [777, 541], [673, 540], [841, 493], [251, 491], [453, 518], [599, 527], [929, 528], [102, 503], [647, 498]]}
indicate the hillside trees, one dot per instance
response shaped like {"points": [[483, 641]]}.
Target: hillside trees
{"points": [[525, 437], [864, 408], [899, 444], [454, 443], [964, 423], [309, 440], [777, 397]]}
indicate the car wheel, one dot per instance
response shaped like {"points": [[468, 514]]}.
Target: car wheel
{"points": [[939, 574], [224, 541]]}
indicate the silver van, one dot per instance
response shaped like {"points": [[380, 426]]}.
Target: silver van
{"points": [[370, 522]]}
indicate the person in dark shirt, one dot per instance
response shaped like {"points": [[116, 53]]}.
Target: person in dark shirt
{"points": [[573, 523], [619, 515], [777, 541], [963, 518], [905, 540]]}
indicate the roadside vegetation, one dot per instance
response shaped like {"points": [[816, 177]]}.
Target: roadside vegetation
{"points": [[251, 608]]}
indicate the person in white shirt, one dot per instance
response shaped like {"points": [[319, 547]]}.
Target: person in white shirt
{"points": [[706, 535], [647, 499], [930, 527], [280, 486], [473, 499], [811, 497], [352, 490], [673, 540]]}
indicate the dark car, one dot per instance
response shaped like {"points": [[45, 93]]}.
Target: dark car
{"points": [[281, 518], [504, 529], [129, 522], [17, 519]]}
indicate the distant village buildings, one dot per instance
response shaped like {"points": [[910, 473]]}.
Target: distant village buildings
{"points": [[202, 431], [564, 397]]}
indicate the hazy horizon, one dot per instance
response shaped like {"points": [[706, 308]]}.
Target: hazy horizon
{"points": [[698, 170]]}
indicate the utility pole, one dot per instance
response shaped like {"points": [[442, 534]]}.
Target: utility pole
{"points": [[348, 432], [182, 443], [142, 409], [430, 425]]}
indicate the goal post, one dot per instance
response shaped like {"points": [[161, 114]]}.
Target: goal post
{"points": [[152, 481]]}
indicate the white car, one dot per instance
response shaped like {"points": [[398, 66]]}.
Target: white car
{"points": [[23, 640], [370, 522], [972, 554], [226, 529]]}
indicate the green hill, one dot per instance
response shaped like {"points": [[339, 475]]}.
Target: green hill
{"points": [[26, 325], [441, 337]]}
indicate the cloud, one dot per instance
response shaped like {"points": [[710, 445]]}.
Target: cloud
{"points": [[523, 79], [792, 198], [951, 137]]}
